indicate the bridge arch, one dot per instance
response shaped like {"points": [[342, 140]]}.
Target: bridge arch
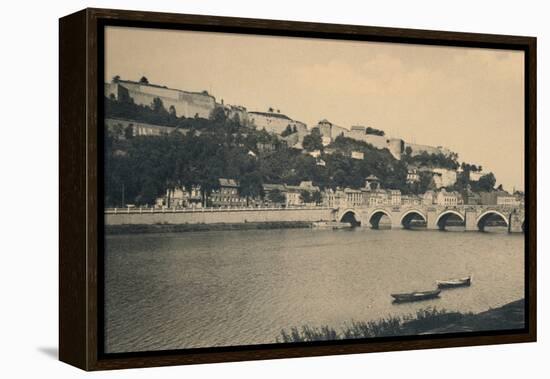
{"points": [[441, 220], [352, 216], [410, 215], [376, 215], [484, 217]]}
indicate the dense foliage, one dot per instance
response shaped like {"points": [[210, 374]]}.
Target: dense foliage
{"points": [[139, 169], [374, 131]]}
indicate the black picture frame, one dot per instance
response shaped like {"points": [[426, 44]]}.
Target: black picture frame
{"points": [[81, 185]]}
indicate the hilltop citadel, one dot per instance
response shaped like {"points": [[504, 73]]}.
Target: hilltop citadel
{"points": [[201, 104]]}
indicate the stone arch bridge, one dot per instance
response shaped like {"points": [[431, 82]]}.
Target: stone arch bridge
{"points": [[473, 217]]}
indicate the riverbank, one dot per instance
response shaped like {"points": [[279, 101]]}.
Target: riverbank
{"points": [[182, 228], [426, 321]]}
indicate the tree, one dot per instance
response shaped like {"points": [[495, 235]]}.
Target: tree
{"points": [[250, 185], [276, 196], [158, 106], [172, 111], [313, 141], [374, 131], [306, 196], [287, 131], [144, 80], [129, 131], [408, 151], [316, 197], [218, 115], [426, 182], [485, 184]]}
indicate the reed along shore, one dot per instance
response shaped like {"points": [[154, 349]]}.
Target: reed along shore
{"points": [[426, 321]]}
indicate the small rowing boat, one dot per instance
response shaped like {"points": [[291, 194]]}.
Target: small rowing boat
{"points": [[415, 296], [451, 283]]}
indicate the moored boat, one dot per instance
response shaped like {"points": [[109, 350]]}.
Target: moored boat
{"points": [[415, 296], [451, 283]]}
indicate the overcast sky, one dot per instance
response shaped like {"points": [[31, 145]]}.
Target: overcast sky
{"points": [[469, 100]]}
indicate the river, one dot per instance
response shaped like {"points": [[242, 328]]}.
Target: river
{"points": [[226, 288]]}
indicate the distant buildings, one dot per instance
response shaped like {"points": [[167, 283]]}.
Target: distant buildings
{"points": [[499, 198], [411, 200], [429, 198], [315, 153], [448, 199], [357, 155], [227, 195], [372, 183], [376, 197], [443, 177], [395, 197], [471, 198], [135, 128], [294, 194], [180, 197], [306, 193], [413, 175]]}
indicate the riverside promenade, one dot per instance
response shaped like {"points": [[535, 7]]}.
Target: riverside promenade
{"points": [[473, 218], [141, 216]]}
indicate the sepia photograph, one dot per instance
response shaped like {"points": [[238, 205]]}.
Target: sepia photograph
{"points": [[262, 190]]}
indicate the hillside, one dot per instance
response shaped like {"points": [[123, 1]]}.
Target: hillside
{"points": [[139, 169]]}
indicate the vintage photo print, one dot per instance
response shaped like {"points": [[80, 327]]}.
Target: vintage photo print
{"points": [[267, 190]]}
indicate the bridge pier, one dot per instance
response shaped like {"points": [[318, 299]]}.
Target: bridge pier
{"points": [[431, 217], [470, 221], [396, 220], [515, 223]]}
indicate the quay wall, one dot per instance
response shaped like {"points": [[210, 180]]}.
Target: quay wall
{"points": [[219, 216]]}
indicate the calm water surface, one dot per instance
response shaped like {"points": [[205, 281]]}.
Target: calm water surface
{"points": [[172, 291]]}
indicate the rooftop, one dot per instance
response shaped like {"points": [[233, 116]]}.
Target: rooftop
{"points": [[272, 114], [228, 182]]}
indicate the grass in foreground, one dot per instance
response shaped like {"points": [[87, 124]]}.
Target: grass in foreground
{"points": [[425, 321]]}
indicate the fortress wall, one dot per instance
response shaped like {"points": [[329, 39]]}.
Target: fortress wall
{"points": [[337, 131], [241, 114], [152, 90], [419, 149], [111, 89], [325, 130], [215, 217], [187, 107], [380, 142], [396, 147], [276, 124], [187, 104]]}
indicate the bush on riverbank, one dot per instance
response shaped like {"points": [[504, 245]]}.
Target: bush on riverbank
{"points": [[425, 321]]}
